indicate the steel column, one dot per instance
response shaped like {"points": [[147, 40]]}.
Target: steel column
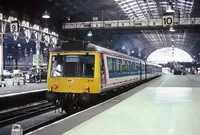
{"points": [[38, 51], [1, 51]]}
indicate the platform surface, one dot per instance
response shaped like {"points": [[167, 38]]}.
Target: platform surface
{"points": [[168, 105], [28, 87]]}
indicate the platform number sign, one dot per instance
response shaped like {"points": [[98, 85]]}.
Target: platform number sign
{"points": [[37, 60], [14, 27], [168, 21]]}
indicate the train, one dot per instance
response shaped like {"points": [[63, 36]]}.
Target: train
{"points": [[78, 72]]}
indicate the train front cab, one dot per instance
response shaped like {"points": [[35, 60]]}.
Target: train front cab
{"points": [[79, 79]]}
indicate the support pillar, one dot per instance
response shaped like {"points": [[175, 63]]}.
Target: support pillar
{"points": [[38, 50], [16, 59], [1, 59], [3, 25], [38, 55]]}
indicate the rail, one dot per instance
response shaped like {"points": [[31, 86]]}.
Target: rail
{"points": [[19, 79], [12, 116]]}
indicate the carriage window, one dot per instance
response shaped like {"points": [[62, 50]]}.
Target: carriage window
{"points": [[123, 66], [74, 66], [143, 68], [79, 66], [110, 65], [86, 66], [129, 66], [57, 66], [133, 67], [114, 65], [138, 67], [118, 66]]}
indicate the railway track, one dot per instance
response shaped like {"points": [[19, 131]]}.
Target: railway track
{"points": [[11, 116]]}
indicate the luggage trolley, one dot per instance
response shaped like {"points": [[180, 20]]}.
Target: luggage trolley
{"points": [[17, 78], [16, 130]]}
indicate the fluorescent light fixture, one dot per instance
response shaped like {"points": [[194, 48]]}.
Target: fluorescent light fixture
{"points": [[171, 29], [89, 34], [46, 15], [68, 18], [169, 9]]}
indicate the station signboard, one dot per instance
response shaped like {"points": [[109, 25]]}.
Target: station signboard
{"points": [[14, 27], [168, 21], [37, 60]]}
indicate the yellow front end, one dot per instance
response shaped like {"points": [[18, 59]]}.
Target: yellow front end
{"points": [[75, 84]]}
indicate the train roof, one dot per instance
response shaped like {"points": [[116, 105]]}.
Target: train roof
{"points": [[86, 46], [153, 64]]}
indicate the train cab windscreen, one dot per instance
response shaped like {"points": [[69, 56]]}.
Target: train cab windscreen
{"points": [[73, 66]]}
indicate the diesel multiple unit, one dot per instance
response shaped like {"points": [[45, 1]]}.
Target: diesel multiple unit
{"points": [[78, 72]]}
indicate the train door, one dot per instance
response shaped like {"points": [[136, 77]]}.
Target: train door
{"points": [[103, 80], [102, 73]]}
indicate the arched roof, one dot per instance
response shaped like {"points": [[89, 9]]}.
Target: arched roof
{"points": [[169, 54]]}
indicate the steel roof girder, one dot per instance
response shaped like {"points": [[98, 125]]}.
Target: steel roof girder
{"points": [[128, 23], [26, 25], [179, 43]]}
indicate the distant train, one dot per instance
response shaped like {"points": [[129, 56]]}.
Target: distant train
{"points": [[79, 72]]}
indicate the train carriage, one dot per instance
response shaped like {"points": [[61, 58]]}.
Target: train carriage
{"points": [[80, 71], [153, 70]]}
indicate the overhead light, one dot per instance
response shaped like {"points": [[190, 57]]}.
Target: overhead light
{"points": [[132, 51], [89, 34], [123, 47], [68, 18], [46, 15], [171, 29], [169, 9], [94, 18], [19, 45]]}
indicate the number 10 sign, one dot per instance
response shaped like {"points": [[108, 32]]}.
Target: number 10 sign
{"points": [[168, 20]]}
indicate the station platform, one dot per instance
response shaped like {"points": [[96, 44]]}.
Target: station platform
{"points": [[21, 89], [168, 105]]}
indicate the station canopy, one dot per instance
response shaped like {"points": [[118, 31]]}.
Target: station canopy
{"points": [[62, 11]]}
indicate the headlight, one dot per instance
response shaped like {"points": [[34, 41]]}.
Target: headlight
{"points": [[55, 86]]}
